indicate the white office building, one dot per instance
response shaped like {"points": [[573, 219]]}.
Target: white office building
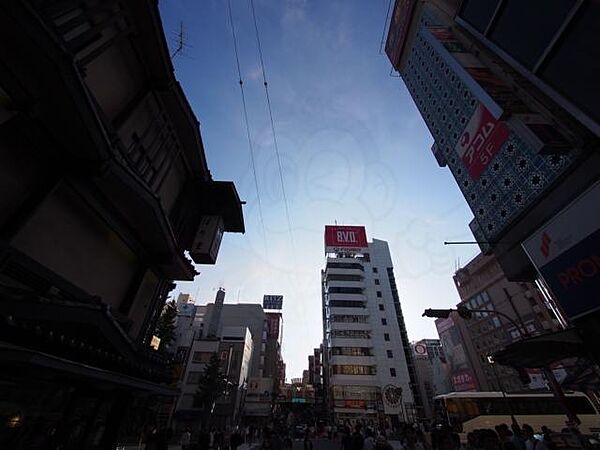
{"points": [[368, 365]]}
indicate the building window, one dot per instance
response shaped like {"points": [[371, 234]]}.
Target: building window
{"points": [[193, 377], [386, 336], [338, 265], [381, 307], [344, 290], [379, 294], [353, 369], [351, 351], [351, 334], [390, 354], [374, 269], [376, 281], [346, 304], [392, 372], [201, 357], [348, 318], [383, 321]]}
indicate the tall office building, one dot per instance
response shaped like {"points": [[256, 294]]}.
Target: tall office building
{"points": [[368, 367], [432, 372], [508, 91]]}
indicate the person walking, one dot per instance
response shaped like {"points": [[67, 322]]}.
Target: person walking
{"points": [[369, 442], [357, 441], [531, 442], [235, 440], [185, 439], [308, 445]]}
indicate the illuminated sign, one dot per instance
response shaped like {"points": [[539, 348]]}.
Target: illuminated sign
{"points": [[345, 238], [155, 342], [566, 252]]}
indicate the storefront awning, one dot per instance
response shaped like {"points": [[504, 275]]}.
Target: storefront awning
{"points": [[541, 351]]}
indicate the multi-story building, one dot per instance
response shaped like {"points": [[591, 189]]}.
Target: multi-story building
{"points": [[454, 340], [432, 373], [104, 191], [367, 360], [265, 368], [185, 325], [481, 284], [234, 346], [513, 111]]}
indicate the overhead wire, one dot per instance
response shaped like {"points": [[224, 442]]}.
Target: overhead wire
{"points": [[275, 144], [250, 146], [387, 16], [278, 156]]}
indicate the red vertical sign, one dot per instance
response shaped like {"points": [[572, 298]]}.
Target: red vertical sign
{"points": [[480, 141]]}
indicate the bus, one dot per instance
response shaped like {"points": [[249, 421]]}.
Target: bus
{"points": [[468, 411]]}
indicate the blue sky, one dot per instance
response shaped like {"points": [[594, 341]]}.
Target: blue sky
{"points": [[353, 147]]}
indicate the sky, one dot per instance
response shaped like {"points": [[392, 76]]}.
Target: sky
{"points": [[353, 148]]}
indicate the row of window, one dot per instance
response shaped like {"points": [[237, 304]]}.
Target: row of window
{"points": [[356, 351], [357, 334], [354, 369], [340, 277], [346, 304], [351, 334], [347, 318], [356, 392], [345, 290], [478, 301], [352, 351], [341, 265]]}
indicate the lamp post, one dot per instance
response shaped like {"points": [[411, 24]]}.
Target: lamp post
{"points": [[467, 314]]}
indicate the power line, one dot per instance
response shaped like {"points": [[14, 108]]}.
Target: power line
{"points": [[276, 146], [387, 16], [237, 61]]}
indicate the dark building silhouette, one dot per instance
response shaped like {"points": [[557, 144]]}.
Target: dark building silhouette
{"points": [[104, 187]]}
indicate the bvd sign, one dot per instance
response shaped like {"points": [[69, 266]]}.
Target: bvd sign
{"points": [[345, 238], [566, 252]]}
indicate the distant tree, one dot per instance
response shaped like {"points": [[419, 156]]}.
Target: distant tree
{"points": [[165, 328], [211, 386]]}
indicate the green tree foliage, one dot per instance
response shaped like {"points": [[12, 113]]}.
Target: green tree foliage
{"points": [[165, 328], [211, 385]]}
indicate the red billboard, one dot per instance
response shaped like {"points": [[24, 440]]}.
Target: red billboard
{"points": [[480, 141], [345, 237], [273, 325], [355, 404], [464, 380], [401, 17]]}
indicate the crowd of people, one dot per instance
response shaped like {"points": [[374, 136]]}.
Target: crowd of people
{"points": [[367, 437]]}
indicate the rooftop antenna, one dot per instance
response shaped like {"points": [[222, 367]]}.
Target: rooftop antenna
{"points": [[180, 38]]}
